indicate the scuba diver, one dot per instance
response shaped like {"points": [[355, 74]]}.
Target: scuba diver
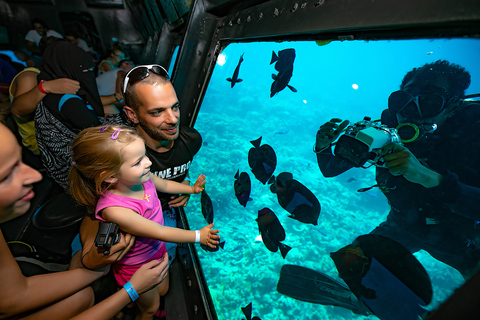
{"points": [[431, 179]]}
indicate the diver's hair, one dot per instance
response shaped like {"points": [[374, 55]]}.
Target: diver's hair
{"points": [[458, 77], [132, 99], [95, 158]]}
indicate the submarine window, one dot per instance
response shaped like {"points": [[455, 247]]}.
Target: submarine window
{"points": [[173, 60], [341, 79]]}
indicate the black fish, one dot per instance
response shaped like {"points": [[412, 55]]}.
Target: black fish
{"points": [[207, 207], [247, 311], [262, 160], [284, 66], [210, 249], [243, 187], [234, 79], [284, 60], [297, 199], [272, 231]]}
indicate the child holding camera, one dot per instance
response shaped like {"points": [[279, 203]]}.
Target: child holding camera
{"points": [[111, 176]]}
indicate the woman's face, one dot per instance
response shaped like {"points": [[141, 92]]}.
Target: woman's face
{"points": [[16, 178]]}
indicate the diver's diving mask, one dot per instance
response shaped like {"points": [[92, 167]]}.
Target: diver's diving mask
{"points": [[423, 105]]}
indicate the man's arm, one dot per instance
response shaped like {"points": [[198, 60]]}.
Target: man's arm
{"points": [[329, 165]]}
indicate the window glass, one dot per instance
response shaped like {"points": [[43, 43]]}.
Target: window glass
{"points": [[347, 80]]}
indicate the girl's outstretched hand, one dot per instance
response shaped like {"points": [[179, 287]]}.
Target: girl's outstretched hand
{"points": [[198, 186], [208, 236]]}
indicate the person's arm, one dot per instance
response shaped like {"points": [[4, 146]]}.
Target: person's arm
{"points": [[27, 94], [133, 223], [144, 279], [92, 256], [21, 294], [104, 66], [329, 165], [461, 198], [173, 187]]}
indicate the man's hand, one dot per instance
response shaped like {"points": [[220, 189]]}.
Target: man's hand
{"points": [[180, 201], [93, 257], [401, 161], [328, 132], [61, 86]]}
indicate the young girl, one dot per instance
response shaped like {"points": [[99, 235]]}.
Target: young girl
{"points": [[111, 175]]}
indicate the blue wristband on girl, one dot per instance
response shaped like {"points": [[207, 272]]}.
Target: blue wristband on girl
{"points": [[131, 291]]}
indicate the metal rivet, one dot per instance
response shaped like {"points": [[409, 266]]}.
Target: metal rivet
{"points": [[260, 15], [319, 3], [275, 12], [295, 7], [304, 5], [249, 18]]}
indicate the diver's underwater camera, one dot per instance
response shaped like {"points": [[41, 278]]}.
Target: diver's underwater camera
{"points": [[363, 142]]}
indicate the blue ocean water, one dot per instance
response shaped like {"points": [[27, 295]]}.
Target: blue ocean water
{"points": [[347, 80]]}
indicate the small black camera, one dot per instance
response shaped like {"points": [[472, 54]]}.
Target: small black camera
{"points": [[363, 141], [108, 235]]}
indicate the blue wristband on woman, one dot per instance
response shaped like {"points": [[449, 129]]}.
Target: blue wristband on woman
{"points": [[131, 291]]}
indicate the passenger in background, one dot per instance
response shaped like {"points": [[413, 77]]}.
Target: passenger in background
{"points": [[111, 62], [7, 73], [110, 84], [432, 182], [40, 30], [74, 38], [61, 117], [16, 65], [152, 105], [30, 61], [58, 295]]}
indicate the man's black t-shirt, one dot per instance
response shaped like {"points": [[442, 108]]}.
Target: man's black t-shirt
{"points": [[174, 164]]}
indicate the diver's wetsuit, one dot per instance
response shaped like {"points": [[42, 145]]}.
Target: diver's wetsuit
{"points": [[444, 220]]}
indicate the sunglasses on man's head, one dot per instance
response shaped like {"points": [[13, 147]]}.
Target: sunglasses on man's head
{"points": [[141, 72], [424, 105]]}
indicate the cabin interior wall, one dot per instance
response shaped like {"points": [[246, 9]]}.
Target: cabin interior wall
{"points": [[110, 22]]}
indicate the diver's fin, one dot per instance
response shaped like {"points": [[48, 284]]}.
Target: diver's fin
{"points": [[256, 143], [311, 286], [284, 249]]}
